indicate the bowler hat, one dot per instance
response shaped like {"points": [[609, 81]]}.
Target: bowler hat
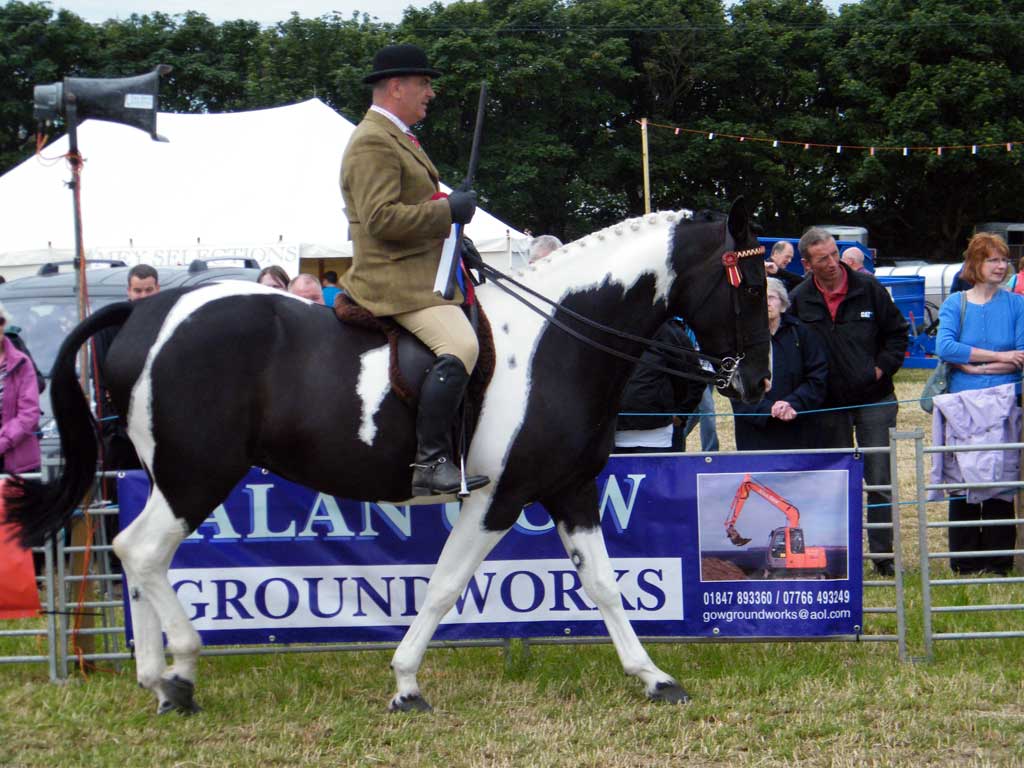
{"points": [[398, 60]]}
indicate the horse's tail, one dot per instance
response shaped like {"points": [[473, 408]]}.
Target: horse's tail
{"points": [[37, 510]]}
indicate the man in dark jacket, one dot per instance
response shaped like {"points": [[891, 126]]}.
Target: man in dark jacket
{"points": [[866, 338], [650, 391], [118, 451]]}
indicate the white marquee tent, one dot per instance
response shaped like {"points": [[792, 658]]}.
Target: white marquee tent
{"points": [[260, 184]]}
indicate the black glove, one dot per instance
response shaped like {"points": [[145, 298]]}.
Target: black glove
{"points": [[463, 205], [470, 255]]}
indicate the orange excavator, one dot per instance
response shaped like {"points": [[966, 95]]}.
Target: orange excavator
{"points": [[787, 552]]}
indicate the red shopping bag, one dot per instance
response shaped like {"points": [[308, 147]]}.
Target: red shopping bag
{"points": [[19, 596]]}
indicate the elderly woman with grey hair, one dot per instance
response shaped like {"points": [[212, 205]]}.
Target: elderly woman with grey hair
{"points": [[799, 381]]}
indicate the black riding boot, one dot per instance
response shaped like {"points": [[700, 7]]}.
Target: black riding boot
{"points": [[435, 472]]}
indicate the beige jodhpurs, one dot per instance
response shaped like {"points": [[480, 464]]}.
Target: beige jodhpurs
{"points": [[445, 330]]}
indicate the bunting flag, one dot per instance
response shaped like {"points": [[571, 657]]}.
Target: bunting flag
{"points": [[19, 596], [905, 150]]}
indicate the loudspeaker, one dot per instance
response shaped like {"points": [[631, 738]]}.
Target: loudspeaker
{"points": [[131, 101]]}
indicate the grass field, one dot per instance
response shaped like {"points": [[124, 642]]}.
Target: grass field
{"points": [[782, 704]]}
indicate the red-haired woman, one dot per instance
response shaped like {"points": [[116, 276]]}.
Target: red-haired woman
{"points": [[986, 350]]}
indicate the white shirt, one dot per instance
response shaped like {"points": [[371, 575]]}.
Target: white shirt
{"points": [[659, 437]]}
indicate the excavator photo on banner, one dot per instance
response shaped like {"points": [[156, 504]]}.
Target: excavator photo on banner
{"points": [[788, 554], [779, 547]]}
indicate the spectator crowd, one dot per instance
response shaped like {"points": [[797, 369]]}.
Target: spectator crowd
{"points": [[838, 339]]}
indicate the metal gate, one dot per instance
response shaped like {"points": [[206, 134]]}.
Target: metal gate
{"points": [[946, 597]]}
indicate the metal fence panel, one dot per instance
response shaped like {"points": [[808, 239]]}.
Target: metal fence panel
{"points": [[932, 586], [84, 616]]}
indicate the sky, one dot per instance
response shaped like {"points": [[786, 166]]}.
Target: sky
{"points": [[263, 11]]}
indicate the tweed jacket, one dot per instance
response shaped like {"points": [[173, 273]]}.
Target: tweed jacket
{"points": [[396, 228]]}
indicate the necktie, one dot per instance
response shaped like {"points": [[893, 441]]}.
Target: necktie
{"points": [[412, 138]]}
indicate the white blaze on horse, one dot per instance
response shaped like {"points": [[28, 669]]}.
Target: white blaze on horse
{"points": [[219, 378]]}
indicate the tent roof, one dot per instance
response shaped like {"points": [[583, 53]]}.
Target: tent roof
{"points": [[233, 179]]}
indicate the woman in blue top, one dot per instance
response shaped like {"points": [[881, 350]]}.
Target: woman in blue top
{"points": [[986, 352]]}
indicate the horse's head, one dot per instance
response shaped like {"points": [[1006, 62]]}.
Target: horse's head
{"points": [[719, 289]]}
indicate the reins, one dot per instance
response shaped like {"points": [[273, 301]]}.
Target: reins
{"points": [[725, 367]]}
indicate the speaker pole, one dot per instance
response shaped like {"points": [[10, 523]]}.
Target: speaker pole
{"points": [[80, 534], [75, 161]]}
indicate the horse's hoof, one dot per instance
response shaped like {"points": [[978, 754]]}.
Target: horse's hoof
{"points": [[413, 703], [669, 692], [178, 696]]}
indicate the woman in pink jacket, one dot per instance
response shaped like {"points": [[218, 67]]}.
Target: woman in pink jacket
{"points": [[19, 407]]}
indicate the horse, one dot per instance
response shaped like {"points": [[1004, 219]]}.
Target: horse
{"points": [[215, 379]]}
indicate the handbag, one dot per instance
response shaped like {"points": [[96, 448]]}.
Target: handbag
{"points": [[938, 382]]}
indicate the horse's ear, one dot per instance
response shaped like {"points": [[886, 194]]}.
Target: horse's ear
{"points": [[739, 221]]}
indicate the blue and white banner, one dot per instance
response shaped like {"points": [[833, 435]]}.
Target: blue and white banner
{"points": [[277, 562]]}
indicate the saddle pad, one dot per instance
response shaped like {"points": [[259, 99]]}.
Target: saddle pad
{"points": [[410, 359]]}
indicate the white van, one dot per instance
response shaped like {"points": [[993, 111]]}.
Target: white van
{"points": [[852, 234]]}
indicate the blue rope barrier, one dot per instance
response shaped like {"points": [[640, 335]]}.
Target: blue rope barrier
{"points": [[725, 414]]}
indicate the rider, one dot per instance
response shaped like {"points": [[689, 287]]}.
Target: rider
{"points": [[398, 220]]}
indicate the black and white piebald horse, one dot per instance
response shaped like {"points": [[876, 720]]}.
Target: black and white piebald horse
{"points": [[215, 379]]}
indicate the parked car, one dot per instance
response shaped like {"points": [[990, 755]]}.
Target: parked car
{"points": [[45, 306]]}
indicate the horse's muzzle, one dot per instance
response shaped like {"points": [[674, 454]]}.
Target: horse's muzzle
{"points": [[746, 388]]}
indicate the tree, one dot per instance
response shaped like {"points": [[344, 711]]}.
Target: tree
{"points": [[936, 73], [786, 43], [36, 47], [553, 88], [209, 62], [323, 58]]}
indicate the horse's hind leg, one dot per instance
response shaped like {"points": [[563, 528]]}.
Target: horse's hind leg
{"points": [[145, 548], [467, 545], [580, 530]]}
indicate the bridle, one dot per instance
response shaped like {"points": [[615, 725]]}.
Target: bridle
{"points": [[724, 369], [731, 260]]}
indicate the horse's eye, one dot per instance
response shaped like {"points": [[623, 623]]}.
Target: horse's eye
{"points": [[753, 290]]}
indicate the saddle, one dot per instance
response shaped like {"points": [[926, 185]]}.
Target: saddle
{"points": [[411, 359]]}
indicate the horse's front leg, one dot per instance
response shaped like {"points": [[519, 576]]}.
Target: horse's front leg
{"points": [[467, 545], [580, 530]]}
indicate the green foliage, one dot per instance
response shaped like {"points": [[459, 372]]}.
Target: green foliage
{"points": [[322, 58], [36, 47], [934, 73], [569, 81], [209, 61]]}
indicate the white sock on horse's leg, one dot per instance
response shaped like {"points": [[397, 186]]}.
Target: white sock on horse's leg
{"points": [[589, 555], [467, 545], [147, 635], [146, 548], [183, 641]]}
